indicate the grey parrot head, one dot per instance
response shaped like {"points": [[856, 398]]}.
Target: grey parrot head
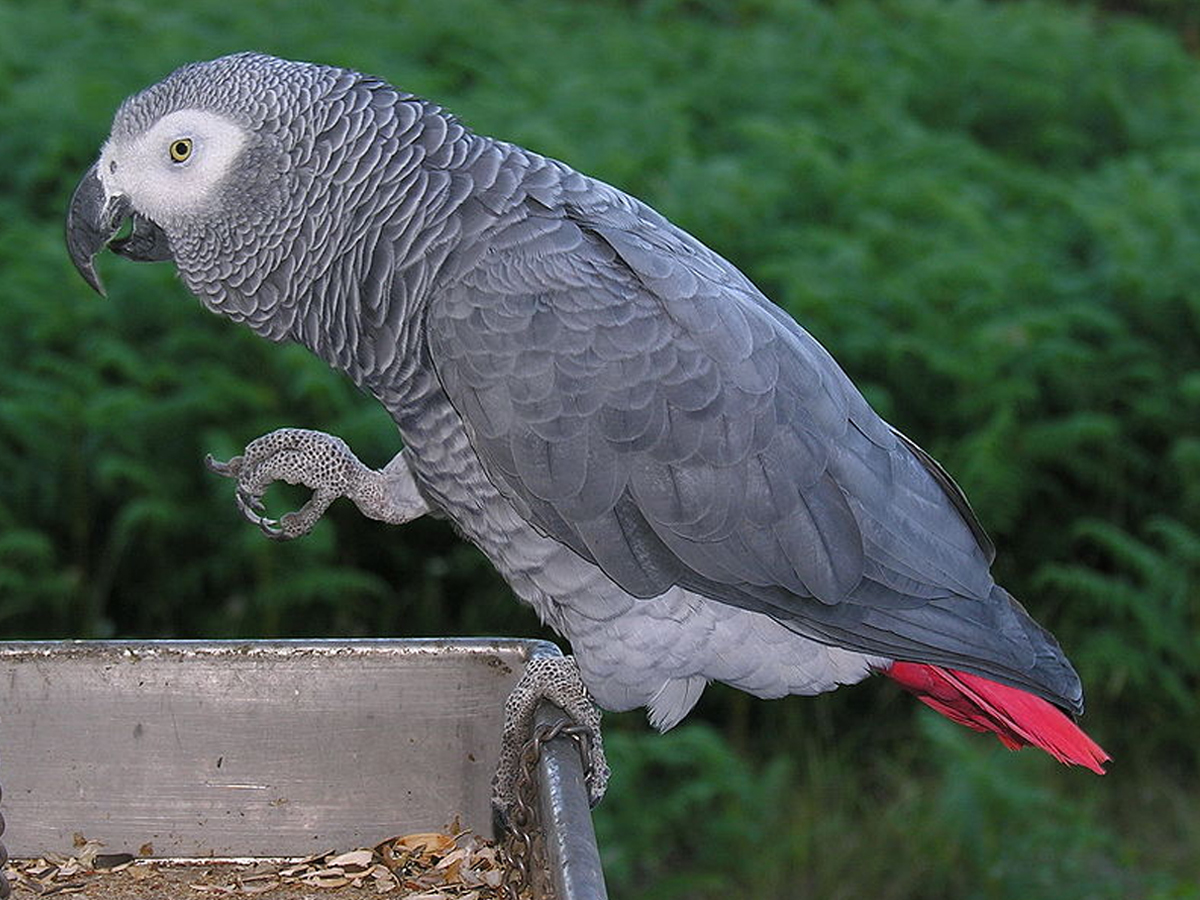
{"points": [[213, 168]]}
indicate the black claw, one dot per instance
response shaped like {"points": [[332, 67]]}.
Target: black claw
{"points": [[250, 504], [250, 507], [270, 527]]}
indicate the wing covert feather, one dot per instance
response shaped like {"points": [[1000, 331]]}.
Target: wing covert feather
{"points": [[638, 399]]}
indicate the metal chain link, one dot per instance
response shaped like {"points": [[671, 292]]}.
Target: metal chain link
{"points": [[5, 887], [517, 848]]}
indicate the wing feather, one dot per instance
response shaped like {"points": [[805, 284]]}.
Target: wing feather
{"points": [[638, 399]]}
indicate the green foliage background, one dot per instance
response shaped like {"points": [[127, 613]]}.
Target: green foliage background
{"points": [[989, 212]]}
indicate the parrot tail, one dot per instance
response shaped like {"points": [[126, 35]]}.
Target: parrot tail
{"points": [[1017, 717]]}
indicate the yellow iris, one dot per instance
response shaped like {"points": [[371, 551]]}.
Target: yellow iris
{"points": [[181, 149]]}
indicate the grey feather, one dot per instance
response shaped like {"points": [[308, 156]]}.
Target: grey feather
{"points": [[739, 463]]}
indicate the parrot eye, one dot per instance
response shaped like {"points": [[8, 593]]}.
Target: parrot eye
{"points": [[181, 149]]}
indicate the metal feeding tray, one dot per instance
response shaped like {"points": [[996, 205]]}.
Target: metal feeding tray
{"points": [[237, 749]]}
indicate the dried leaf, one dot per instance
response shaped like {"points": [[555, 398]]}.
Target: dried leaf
{"points": [[327, 872], [325, 880], [360, 859], [259, 876], [318, 858], [431, 842], [63, 889], [421, 866], [384, 880], [86, 857], [454, 856], [493, 878], [261, 887]]}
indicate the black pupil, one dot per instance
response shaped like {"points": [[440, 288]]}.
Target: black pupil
{"points": [[181, 148]]}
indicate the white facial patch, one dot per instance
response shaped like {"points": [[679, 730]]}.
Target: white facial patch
{"points": [[158, 184]]}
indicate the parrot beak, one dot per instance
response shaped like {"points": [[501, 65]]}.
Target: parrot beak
{"points": [[93, 219]]}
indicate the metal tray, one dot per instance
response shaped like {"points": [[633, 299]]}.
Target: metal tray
{"points": [[235, 749]]}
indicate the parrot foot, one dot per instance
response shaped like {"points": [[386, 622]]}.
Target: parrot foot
{"points": [[557, 679], [325, 464]]}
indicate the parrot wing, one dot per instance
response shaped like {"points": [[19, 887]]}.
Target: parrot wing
{"points": [[638, 399]]}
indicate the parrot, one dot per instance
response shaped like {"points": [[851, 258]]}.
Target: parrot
{"points": [[679, 479]]}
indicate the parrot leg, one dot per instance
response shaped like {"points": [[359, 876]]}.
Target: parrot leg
{"points": [[557, 679], [325, 464]]}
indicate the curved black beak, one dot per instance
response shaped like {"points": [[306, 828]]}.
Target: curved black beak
{"points": [[93, 219]]}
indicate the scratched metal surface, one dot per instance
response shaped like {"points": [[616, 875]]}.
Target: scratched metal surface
{"points": [[572, 855], [278, 748]]}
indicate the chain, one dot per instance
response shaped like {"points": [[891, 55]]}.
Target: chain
{"points": [[518, 846], [5, 888]]}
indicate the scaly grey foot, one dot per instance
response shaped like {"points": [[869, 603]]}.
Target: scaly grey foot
{"points": [[557, 679], [324, 463]]}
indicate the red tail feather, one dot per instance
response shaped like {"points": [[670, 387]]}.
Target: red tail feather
{"points": [[1017, 717]]}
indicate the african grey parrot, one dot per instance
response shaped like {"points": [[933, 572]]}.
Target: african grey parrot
{"points": [[666, 466]]}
